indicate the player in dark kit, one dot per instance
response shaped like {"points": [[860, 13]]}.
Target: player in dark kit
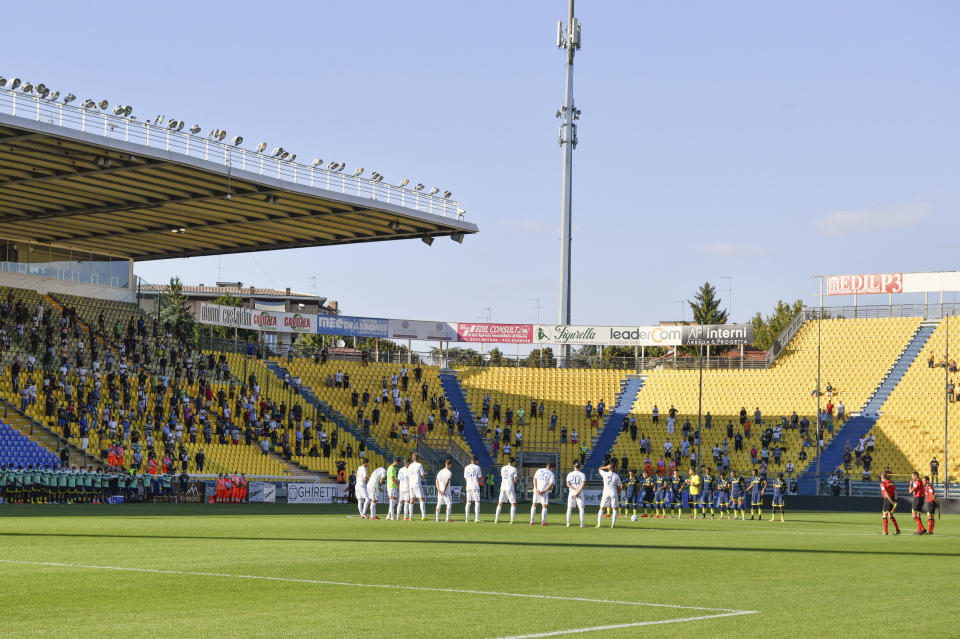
{"points": [[930, 504], [633, 492], [756, 486], [916, 492], [675, 494], [660, 485], [779, 488], [723, 494], [706, 493], [888, 493], [736, 495], [647, 485]]}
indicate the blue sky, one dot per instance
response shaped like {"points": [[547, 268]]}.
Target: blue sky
{"points": [[762, 141]]}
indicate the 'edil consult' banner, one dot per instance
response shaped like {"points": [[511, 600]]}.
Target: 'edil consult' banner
{"points": [[495, 333], [868, 284]]}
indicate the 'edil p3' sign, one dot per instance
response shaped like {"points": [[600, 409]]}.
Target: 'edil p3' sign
{"points": [[869, 284]]}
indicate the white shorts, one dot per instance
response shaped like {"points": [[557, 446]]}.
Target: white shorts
{"points": [[361, 492], [473, 494], [404, 495], [393, 492], [443, 500], [508, 495], [373, 492], [416, 492], [610, 501], [543, 499], [575, 502]]}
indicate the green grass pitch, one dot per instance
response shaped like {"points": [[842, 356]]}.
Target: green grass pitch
{"points": [[288, 570]]}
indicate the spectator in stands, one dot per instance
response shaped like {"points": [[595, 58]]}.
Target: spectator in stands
{"points": [[753, 455], [935, 470], [931, 363], [743, 415], [841, 411], [563, 434], [553, 421], [655, 414], [601, 406], [746, 428], [588, 409], [574, 437], [671, 424]]}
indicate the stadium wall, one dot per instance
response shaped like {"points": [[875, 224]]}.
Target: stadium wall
{"points": [[44, 285]]}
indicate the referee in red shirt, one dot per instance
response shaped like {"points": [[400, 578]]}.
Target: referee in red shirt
{"points": [[888, 492], [916, 491], [930, 503]]}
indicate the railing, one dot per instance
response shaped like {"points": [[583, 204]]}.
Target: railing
{"points": [[161, 136], [933, 310]]}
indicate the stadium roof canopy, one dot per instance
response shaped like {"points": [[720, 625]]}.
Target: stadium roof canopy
{"points": [[90, 180]]}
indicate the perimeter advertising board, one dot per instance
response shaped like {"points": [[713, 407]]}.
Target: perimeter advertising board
{"points": [[349, 326], [234, 317], [422, 331], [865, 284], [607, 335], [495, 333], [314, 493]]}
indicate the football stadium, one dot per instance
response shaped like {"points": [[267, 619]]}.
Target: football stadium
{"points": [[373, 458]]}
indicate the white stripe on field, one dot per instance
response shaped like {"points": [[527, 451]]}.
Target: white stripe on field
{"points": [[572, 631], [325, 582]]}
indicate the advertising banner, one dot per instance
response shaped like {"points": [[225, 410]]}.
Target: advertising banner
{"points": [[246, 318], [867, 284], [314, 493], [284, 322], [495, 333], [423, 331], [591, 497], [349, 326], [710, 334], [430, 493], [607, 335], [262, 492], [226, 316]]}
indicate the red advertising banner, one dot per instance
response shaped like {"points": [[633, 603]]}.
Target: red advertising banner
{"points": [[869, 284], [495, 333]]}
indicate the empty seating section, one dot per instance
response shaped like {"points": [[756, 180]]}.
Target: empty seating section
{"points": [[562, 391], [855, 356], [909, 432], [373, 378], [19, 450], [273, 387]]}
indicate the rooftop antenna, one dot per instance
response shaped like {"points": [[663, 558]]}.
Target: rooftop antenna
{"points": [[568, 39]]}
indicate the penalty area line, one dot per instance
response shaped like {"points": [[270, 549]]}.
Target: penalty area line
{"points": [[636, 624], [721, 612]]}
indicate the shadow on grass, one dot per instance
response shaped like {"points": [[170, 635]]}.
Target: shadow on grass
{"points": [[469, 542]]}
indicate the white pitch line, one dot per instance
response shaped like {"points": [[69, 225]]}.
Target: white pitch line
{"points": [[325, 582], [573, 631]]}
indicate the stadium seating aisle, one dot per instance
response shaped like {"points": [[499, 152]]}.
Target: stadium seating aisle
{"points": [[909, 432], [855, 355], [564, 392], [18, 450], [374, 379]]}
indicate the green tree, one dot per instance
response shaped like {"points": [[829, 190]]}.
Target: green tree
{"points": [[495, 357], [541, 358], [767, 329], [174, 310], [706, 306], [456, 357]]}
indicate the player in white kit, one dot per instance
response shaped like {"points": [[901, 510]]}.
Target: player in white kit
{"points": [[373, 489], [575, 483], [415, 473], [361, 488], [471, 478], [404, 504], [444, 477], [508, 493], [543, 481], [611, 493]]}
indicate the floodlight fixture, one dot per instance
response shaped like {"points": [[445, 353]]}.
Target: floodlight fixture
{"points": [[358, 172], [195, 129], [221, 135], [434, 190], [237, 140], [427, 239], [27, 87], [69, 98], [89, 104], [172, 124], [3, 81], [457, 237], [292, 158], [127, 110], [404, 182], [277, 151], [178, 230], [284, 155], [446, 195], [418, 187], [103, 104], [317, 162], [54, 96], [394, 226], [42, 90], [260, 147], [180, 125], [118, 110], [271, 199], [332, 166], [341, 166], [14, 84], [159, 119]]}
